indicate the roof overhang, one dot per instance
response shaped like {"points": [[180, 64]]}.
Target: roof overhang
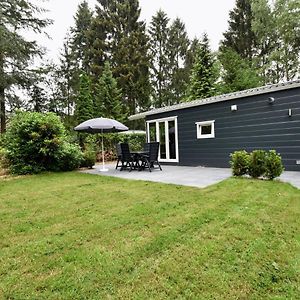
{"points": [[236, 95]]}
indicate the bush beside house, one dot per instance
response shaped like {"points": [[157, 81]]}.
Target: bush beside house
{"points": [[257, 164]]}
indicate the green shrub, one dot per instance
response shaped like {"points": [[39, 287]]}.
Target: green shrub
{"points": [[273, 165], [4, 163], [136, 142], [36, 142], [239, 162], [89, 158], [257, 163], [69, 157]]}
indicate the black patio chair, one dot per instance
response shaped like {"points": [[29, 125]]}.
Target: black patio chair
{"points": [[146, 147], [119, 157], [126, 157], [149, 160]]}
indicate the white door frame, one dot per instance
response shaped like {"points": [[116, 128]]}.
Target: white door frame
{"points": [[166, 121]]}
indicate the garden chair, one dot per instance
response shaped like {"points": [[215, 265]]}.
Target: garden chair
{"points": [[119, 157], [126, 157], [149, 160]]}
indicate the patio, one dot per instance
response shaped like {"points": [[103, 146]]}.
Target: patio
{"points": [[189, 176]]}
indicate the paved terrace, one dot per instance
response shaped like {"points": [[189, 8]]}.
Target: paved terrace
{"points": [[181, 175]]}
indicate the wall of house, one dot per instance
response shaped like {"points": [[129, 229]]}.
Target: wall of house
{"points": [[256, 124]]}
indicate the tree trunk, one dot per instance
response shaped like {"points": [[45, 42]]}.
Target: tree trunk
{"points": [[2, 111], [2, 98]]}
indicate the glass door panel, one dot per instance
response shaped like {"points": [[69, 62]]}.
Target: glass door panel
{"points": [[162, 140], [164, 131], [152, 132], [172, 140]]}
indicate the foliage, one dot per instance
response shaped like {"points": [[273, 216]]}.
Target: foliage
{"points": [[236, 73], [160, 65], [4, 162], [89, 158], [122, 234], [274, 166], [286, 55], [266, 36], [84, 109], [80, 41], [123, 39], [257, 163], [36, 142], [203, 74], [135, 141], [240, 36], [239, 163], [178, 44], [38, 100], [108, 97], [16, 52], [68, 157]]}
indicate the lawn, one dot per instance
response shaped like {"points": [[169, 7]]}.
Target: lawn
{"points": [[79, 236]]}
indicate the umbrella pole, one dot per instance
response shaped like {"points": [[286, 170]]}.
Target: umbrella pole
{"points": [[103, 163]]}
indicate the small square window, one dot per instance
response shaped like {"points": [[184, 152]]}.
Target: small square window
{"points": [[205, 130]]}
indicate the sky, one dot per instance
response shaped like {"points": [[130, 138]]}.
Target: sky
{"points": [[199, 16]]}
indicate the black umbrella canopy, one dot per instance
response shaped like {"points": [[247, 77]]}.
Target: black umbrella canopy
{"points": [[101, 125]]}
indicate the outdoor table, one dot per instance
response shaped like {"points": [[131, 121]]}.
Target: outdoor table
{"points": [[137, 155]]}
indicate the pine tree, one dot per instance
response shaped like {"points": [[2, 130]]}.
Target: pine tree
{"points": [[108, 97], [15, 51], [240, 36], [161, 69], [84, 109], [80, 37], [203, 75], [178, 43], [38, 99], [123, 40], [100, 36], [67, 78]]}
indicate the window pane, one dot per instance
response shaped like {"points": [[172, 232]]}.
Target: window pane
{"points": [[152, 129], [206, 129], [172, 145], [162, 140]]}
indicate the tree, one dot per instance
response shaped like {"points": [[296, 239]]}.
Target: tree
{"points": [[287, 24], [240, 36], [178, 43], [263, 27], [237, 73], [277, 33], [203, 75], [124, 41], [160, 65], [15, 51], [80, 42], [38, 99], [67, 78], [108, 97], [84, 109]]}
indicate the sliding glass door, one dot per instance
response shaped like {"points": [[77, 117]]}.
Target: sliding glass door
{"points": [[165, 132]]}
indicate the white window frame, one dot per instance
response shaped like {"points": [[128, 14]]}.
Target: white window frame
{"points": [[205, 123], [165, 120]]}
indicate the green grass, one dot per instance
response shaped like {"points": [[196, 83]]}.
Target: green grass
{"points": [[78, 236]]}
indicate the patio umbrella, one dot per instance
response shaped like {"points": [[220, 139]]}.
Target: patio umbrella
{"points": [[101, 125]]}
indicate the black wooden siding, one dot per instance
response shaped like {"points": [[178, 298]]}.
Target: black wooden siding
{"points": [[256, 125]]}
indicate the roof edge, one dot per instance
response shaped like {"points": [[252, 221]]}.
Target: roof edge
{"points": [[225, 97]]}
